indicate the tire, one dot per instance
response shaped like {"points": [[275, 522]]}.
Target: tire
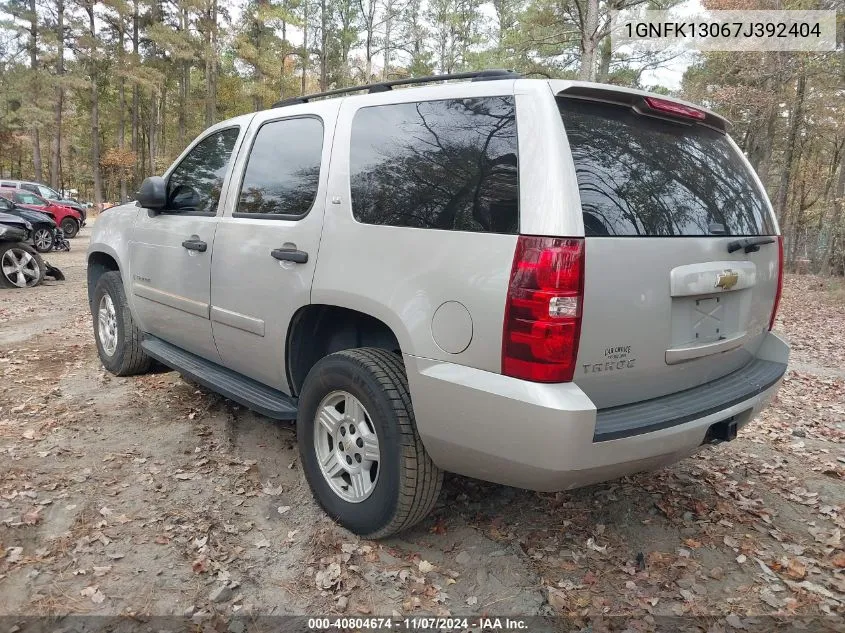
{"points": [[70, 227], [43, 239], [121, 355], [20, 266], [407, 482]]}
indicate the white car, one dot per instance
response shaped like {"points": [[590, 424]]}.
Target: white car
{"points": [[540, 283]]}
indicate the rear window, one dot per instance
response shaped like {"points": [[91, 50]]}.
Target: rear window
{"points": [[643, 176]]}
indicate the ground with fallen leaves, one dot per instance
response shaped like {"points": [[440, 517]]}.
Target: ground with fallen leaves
{"points": [[147, 495]]}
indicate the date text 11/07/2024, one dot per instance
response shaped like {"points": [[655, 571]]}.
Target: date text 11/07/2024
{"points": [[417, 624]]}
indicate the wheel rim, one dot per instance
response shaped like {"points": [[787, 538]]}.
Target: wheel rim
{"points": [[20, 268], [347, 446], [43, 239], [107, 325]]}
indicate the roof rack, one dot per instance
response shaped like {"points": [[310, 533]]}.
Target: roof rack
{"points": [[384, 86]]}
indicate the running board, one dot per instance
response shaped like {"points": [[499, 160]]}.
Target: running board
{"points": [[228, 383]]}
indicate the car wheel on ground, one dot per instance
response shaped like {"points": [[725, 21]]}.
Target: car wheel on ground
{"points": [[43, 239], [359, 446], [118, 338], [20, 266], [70, 227]]}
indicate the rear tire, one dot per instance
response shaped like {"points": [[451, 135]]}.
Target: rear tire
{"points": [[20, 266], [70, 227], [407, 483], [118, 338]]}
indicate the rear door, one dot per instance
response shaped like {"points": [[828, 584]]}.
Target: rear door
{"points": [[672, 298], [265, 249]]}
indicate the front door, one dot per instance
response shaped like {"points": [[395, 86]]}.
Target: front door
{"points": [[265, 248], [170, 253]]}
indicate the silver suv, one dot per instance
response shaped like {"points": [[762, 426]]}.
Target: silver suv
{"points": [[540, 283]]}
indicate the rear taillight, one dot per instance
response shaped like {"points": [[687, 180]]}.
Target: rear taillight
{"points": [[678, 109], [543, 309], [780, 283]]}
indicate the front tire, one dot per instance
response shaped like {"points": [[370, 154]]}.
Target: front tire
{"points": [[355, 417], [118, 338], [20, 266], [70, 227], [43, 239]]}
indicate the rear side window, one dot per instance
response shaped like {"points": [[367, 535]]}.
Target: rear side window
{"points": [[448, 165], [28, 198], [643, 176], [29, 187], [283, 169]]}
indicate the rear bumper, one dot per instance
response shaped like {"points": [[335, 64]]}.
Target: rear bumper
{"points": [[549, 437]]}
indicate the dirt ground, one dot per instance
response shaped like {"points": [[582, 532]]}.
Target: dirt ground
{"points": [[148, 496]]}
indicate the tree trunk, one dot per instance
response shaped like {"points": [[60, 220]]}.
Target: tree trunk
{"points": [[304, 46], [121, 104], [184, 83], [324, 39], [95, 109], [211, 67], [33, 64], [152, 132], [604, 60], [56, 146], [838, 219], [136, 96], [795, 122], [587, 70]]}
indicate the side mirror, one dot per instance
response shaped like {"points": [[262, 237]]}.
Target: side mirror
{"points": [[153, 193]]}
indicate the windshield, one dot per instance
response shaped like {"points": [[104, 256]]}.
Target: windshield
{"points": [[643, 176], [50, 194]]}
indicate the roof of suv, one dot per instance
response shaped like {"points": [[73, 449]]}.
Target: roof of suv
{"points": [[576, 89]]}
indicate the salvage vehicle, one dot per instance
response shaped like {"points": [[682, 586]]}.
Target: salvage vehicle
{"points": [[48, 193], [44, 229], [540, 283], [67, 218], [20, 265]]}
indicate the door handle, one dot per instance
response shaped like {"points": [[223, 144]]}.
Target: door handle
{"points": [[195, 245], [290, 255]]}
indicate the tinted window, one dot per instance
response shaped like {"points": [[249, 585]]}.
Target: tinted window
{"points": [[29, 198], [196, 183], [437, 165], [5, 205], [639, 175], [29, 187], [7, 184], [283, 170]]}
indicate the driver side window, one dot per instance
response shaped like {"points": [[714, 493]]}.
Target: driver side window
{"points": [[5, 205], [196, 183]]}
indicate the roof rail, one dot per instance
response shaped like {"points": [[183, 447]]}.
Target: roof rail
{"points": [[384, 86]]}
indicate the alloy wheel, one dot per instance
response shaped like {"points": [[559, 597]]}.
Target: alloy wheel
{"points": [[43, 239], [107, 325], [347, 446], [20, 268]]}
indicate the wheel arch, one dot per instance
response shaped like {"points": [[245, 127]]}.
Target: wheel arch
{"points": [[317, 330], [99, 263]]}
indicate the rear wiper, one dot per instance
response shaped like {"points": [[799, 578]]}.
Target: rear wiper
{"points": [[750, 245]]}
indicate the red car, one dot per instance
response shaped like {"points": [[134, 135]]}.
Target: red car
{"points": [[68, 219]]}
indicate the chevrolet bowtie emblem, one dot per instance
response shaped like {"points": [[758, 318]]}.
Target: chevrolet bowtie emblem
{"points": [[727, 279]]}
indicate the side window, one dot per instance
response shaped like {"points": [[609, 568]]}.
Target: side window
{"points": [[5, 205], [29, 187], [448, 165], [7, 184], [283, 169], [196, 183], [27, 198], [48, 193]]}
